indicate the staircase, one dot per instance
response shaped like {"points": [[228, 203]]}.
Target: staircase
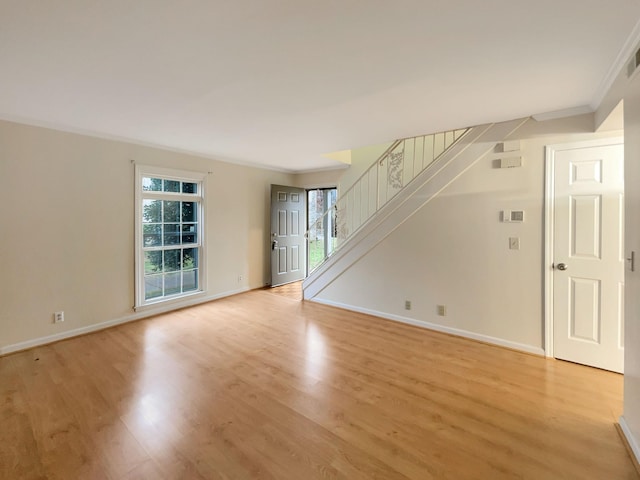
{"points": [[410, 173]]}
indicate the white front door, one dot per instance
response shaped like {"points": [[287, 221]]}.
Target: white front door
{"points": [[588, 255]]}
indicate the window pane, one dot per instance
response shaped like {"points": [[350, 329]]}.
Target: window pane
{"points": [[189, 258], [171, 186], [171, 211], [151, 211], [190, 280], [189, 233], [171, 283], [152, 235], [333, 194], [169, 227], [171, 260], [188, 187], [171, 234], [153, 262], [151, 184], [152, 286], [189, 211]]}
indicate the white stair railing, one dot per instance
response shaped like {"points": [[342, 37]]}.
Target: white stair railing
{"points": [[403, 161]]}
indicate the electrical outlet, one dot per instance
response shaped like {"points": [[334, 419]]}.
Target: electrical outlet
{"points": [[407, 304], [239, 278], [442, 310], [58, 317]]}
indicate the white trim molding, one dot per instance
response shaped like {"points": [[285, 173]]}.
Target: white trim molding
{"points": [[550, 153], [437, 328], [627, 50], [148, 312], [567, 112], [59, 127], [628, 435]]}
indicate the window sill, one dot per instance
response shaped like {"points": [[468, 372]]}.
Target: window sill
{"points": [[171, 304]]}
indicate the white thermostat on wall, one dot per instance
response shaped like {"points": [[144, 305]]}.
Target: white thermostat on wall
{"points": [[513, 216], [510, 162]]}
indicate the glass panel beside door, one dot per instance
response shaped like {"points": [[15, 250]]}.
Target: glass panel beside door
{"points": [[321, 226]]}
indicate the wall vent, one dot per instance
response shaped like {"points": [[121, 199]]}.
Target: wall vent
{"points": [[633, 63]]}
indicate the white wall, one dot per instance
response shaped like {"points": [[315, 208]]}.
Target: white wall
{"points": [[631, 417], [342, 177], [67, 226], [361, 159], [454, 251], [319, 179]]}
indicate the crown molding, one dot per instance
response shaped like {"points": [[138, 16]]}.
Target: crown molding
{"points": [[617, 66]]}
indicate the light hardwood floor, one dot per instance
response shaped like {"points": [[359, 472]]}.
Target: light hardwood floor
{"points": [[263, 386]]}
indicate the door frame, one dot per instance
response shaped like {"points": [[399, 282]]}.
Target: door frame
{"points": [[549, 213]]}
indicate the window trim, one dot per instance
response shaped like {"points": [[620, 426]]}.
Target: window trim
{"points": [[140, 194]]}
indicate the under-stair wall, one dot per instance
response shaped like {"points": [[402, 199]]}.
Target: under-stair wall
{"points": [[454, 250], [475, 143]]}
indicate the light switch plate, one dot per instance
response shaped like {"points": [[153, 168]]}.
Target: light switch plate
{"points": [[512, 216]]}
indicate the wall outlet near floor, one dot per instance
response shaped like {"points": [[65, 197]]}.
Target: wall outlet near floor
{"points": [[240, 277], [407, 304], [442, 310], [58, 317]]}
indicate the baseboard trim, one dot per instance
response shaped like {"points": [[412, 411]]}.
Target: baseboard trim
{"points": [[38, 342], [521, 347], [629, 442]]}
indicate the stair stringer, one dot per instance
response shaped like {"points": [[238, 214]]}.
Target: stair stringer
{"points": [[475, 144]]}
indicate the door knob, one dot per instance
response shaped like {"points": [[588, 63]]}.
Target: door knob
{"points": [[562, 266]]}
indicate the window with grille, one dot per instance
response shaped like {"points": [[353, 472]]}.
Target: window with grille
{"points": [[169, 234]]}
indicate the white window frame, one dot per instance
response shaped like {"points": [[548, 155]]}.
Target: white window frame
{"points": [[199, 178]]}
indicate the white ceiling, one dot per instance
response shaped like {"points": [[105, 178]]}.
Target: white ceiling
{"points": [[281, 82]]}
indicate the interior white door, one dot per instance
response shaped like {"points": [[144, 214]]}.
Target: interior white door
{"points": [[588, 278], [288, 243]]}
